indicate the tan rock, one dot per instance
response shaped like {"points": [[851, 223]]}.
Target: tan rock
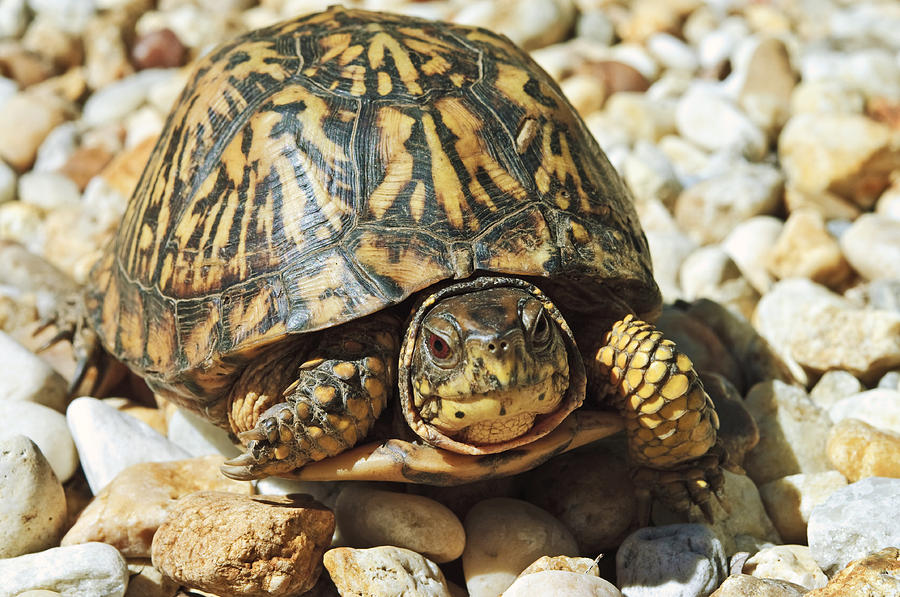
{"points": [[147, 581], [577, 565], [872, 246], [256, 546], [792, 563], [368, 517], [876, 574], [846, 154], [744, 585], [561, 582], [128, 524], [806, 249], [384, 572], [105, 53], [828, 205], [790, 500], [859, 450], [124, 170], [25, 120], [769, 81]]}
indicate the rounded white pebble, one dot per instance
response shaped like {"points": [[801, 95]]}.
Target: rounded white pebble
{"points": [[95, 569], [561, 582], [46, 428], [26, 377]]}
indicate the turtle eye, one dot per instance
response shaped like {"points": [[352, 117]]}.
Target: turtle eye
{"points": [[540, 331], [438, 347]]}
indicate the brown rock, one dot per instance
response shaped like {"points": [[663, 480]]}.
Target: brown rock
{"points": [[123, 172], [737, 428], [885, 110], [806, 249], [25, 120], [615, 76], [62, 49], [590, 492], [85, 163], [253, 546], [117, 518], [158, 49], [878, 574], [384, 572], [858, 450], [23, 66], [744, 585], [766, 92]]}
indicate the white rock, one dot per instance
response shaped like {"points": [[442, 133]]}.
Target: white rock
{"points": [[748, 243], [833, 386], [561, 582], [33, 504], [46, 428], [89, 569], [879, 408], [642, 117], [637, 57], [384, 571], [792, 563], [718, 45], [596, 26], [57, 147], [198, 436], [709, 272], [48, 190], [24, 224], [117, 100], [142, 123], [790, 500], [872, 246], [874, 71], [530, 24], [827, 95], [668, 250], [13, 18], [649, 175], [68, 15], [109, 441], [26, 377], [688, 160], [865, 22], [711, 120], [503, 537], [671, 560], [854, 521], [671, 52], [7, 183]]}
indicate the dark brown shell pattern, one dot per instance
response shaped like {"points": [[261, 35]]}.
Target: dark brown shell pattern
{"points": [[321, 169]]}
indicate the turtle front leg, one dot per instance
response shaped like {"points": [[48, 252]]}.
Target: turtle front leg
{"points": [[305, 405], [670, 420]]}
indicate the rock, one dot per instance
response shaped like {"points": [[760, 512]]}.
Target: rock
{"points": [[708, 118], [827, 96], [859, 450], [748, 244], [565, 563], [876, 574], [13, 18], [676, 560], [833, 386], [146, 581], [793, 432], [790, 500], [504, 536], [846, 154], [649, 175], [198, 436], [369, 517], [109, 441], [792, 563], [35, 381], [647, 17], [719, 41], [737, 429], [23, 224], [828, 205], [561, 582], [595, 25], [531, 24], [8, 183], [672, 53], [26, 118], [617, 75], [689, 161], [57, 147], [822, 331], [105, 53], [854, 521], [768, 80], [872, 246], [644, 118], [48, 190], [709, 272], [384, 572], [668, 250], [46, 428], [873, 71], [158, 49], [879, 407], [586, 93], [709, 210], [154, 417], [888, 204], [805, 249], [116, 518], [34, 519], [89, 569], [250, 545], [590, 492], [889, 381], [743, 585], [116, 100]]}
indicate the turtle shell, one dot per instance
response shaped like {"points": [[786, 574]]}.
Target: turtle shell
{"points": [[322, 169]]}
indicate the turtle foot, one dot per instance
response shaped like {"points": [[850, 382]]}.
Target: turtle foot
{"points": [[270, 448], [693, 483]]}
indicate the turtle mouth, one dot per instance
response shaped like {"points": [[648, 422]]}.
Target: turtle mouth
{"points": [[497, 430]]}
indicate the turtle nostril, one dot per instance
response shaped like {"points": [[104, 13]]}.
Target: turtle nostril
{"points": [[492, 347], [495, 348], [503, 345]]}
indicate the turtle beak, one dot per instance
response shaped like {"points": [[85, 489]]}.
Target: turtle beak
{"points": [[498, 361]]}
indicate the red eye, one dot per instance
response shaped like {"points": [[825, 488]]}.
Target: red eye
{"points": [[438, 346]]}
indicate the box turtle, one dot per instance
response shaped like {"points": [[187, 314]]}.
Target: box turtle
{"points": [[354, 219]]}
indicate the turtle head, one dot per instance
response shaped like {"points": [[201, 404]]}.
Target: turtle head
{"points": [[488, 369]]}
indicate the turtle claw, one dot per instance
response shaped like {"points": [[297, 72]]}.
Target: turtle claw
{"points": [[240, 467], [251, 435]]}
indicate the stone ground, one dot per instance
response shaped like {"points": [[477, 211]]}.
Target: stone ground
{"points": [[761, 141]]}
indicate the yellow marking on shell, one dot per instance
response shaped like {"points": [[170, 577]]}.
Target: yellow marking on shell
{"points": [[457, 79], [385, 85], [447, 188], [417, 201], [683, 363], [350, 54], [437, 65], [335, 45], [528, 130], [345, 370], [581, 236], [311, 71], [674, 387], [406, 70], [357, 74], [395, 129], [199, 339]]}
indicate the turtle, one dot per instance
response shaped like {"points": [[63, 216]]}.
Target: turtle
{"points": [[372, 246]]}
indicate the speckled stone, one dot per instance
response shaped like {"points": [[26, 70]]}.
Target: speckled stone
{"points": [[790, 500], [859, 450], [384, 572], [792, 563]]}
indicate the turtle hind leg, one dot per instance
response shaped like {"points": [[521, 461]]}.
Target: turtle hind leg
{"points": [[670, 420], [289, 413]]}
